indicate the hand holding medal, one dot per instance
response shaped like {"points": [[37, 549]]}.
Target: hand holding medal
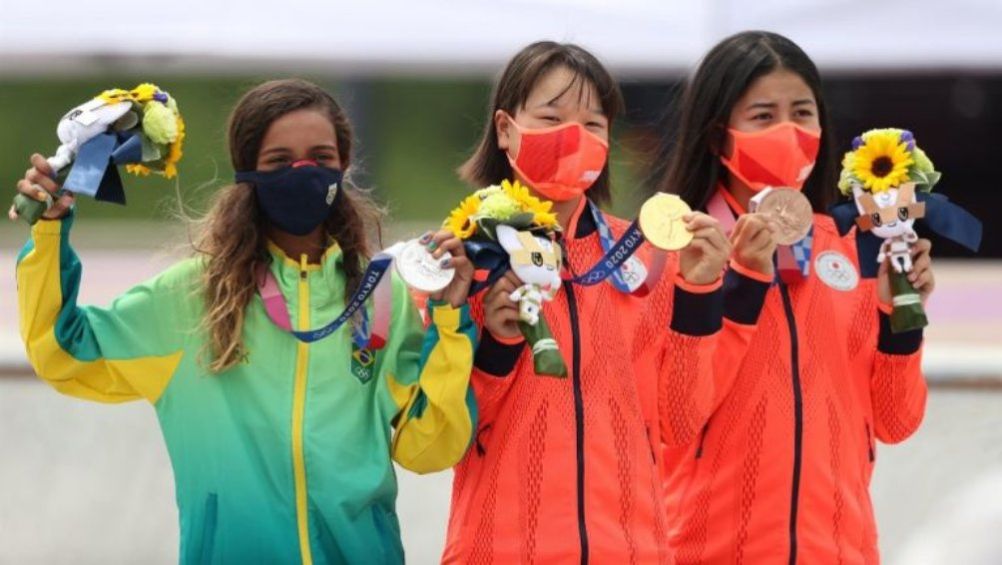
{"points": [[662, 220], [787, 210], [669, 224], [437, 264]]}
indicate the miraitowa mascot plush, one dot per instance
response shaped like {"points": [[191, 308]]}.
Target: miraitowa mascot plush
{"points": [[891, 180], [139, 128], [536, 260]]}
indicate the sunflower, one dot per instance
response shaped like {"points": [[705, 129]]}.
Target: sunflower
{"points": [[115, 95], [541, 214], [881, 161], [145, 92], [138, 169], [460, 221], [174, 150]]}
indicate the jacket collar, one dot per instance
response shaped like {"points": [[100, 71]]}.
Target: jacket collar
{"points": [[582, 223]]}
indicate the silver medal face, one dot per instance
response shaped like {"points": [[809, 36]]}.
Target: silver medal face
{"points": [[420, 270]]}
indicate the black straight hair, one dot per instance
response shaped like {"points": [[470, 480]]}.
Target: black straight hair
{"points": [[489, 165], [687, 162]]}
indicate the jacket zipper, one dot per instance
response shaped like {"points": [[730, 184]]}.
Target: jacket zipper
{"points": [[298, 413], [481, 449], [702, 439], [869, 442], [798, 418], [572, 309]]}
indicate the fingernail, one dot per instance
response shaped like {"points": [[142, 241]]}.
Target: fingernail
{"points": [[444, 263], [41, 196], [432, 246], [426, 237]]}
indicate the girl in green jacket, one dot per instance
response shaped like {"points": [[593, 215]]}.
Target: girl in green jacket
{"points": [[281, 448]]}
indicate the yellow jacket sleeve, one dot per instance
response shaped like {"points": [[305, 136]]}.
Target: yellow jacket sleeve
{"points": [[125, 352], [428, 374]]}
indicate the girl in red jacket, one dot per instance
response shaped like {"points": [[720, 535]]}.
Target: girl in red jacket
{"points": [[565, 470], [780, 473]]}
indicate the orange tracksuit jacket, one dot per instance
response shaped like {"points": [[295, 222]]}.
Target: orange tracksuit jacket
{"points": [[781, 472], [566, 470]]}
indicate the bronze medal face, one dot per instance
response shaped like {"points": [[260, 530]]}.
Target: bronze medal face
{"points": [[662, 224], [790, 210]]}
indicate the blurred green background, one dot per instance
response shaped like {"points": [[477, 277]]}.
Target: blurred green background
{"points": [[412, 134]]}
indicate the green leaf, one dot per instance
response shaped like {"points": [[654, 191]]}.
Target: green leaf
{"points": [[151, 151], [521, 221]]}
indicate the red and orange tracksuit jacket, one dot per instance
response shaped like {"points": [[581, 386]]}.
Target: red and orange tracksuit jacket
{"points": [[781, 472], [566, 470]]}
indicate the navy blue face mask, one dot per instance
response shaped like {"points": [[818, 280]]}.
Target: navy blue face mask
{"points": [[297, 198]]}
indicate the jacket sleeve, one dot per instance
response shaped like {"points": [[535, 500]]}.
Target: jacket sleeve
{"points": [[897, 386], [685, 369], [124, 352], [428, 374], [744, 295], [494, 365]]}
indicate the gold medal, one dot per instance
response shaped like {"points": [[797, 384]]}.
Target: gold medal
{"points": [[662, 223]]}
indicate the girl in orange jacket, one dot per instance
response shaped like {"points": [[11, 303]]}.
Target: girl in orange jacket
{"points": [[565, 470], [781, 472]]}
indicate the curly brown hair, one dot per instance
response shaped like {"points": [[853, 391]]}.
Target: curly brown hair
{"points": [[231, 236]]}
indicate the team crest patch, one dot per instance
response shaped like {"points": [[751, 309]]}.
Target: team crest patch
{"points": [[836, 271], [362, 361]]}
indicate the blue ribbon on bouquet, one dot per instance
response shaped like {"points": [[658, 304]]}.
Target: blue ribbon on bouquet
{"points": [[94, 171], [943, 217]]}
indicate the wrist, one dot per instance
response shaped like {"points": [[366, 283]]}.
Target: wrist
{"points": [[505, 334], [701, 279], [763, 267]]}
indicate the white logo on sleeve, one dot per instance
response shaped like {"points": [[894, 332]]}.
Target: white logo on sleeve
{"points": [[836, 271]]}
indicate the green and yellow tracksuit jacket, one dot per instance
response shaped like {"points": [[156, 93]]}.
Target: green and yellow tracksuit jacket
{"points": [[284, 458]]}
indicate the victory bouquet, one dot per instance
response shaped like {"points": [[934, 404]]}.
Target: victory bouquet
{"points": [[890, 180], [139, 128], [504, 226]]}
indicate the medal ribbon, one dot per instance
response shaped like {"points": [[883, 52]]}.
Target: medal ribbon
{"points": [[490, 256], [793, 261], [374, 282], [617, 253]]}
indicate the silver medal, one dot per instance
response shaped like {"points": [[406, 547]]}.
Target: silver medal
{"points": [[420, 270]]}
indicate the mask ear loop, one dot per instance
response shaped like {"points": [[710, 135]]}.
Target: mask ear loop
{"points": [[511, 124]]}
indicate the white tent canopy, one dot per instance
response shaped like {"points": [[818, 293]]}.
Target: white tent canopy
{"points": [[636, 37]]}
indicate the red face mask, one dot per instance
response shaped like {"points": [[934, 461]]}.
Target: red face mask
{"points": [[559, 162], [780, 156]]}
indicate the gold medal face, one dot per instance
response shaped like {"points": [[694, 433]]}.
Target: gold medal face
{"points": [[790, 210], [662, 224]]}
